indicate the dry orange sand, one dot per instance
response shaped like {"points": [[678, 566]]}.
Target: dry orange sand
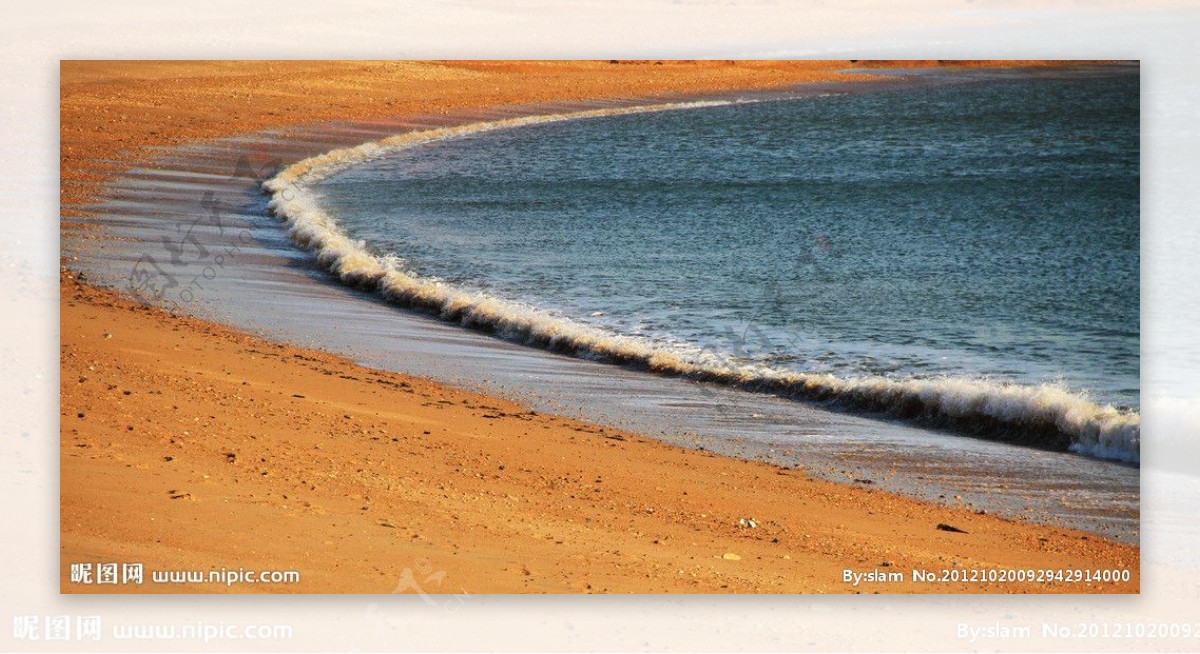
{"points": [[188, 445]]}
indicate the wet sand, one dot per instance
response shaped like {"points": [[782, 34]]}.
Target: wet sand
{"points": [[187, 445]]}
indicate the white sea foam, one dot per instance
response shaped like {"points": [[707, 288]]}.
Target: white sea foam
{"points": [[1043, 415]]}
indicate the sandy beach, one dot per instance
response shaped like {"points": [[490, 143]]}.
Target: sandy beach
{"points": [[187, 445]]}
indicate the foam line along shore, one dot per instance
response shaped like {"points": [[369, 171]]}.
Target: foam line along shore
{"points": [[1044, 415]]}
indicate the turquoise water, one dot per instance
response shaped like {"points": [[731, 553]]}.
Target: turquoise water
{"points": [[974, 231]]}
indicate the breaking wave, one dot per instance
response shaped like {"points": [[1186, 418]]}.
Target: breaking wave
{"points": [[1047, 416]]}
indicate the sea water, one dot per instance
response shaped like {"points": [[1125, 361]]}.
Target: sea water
{"points": [[962, 254]]}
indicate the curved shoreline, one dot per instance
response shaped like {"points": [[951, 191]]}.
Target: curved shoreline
{"points": [[1044, 416]]}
